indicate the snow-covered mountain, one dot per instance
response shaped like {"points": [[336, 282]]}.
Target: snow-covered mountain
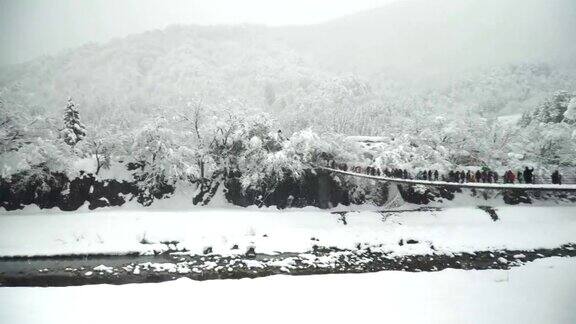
{"points": [[491, 56]]}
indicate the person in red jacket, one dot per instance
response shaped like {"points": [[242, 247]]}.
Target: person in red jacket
{"points": [[512, 177]]}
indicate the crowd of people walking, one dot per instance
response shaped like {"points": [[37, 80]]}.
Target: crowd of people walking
{"points": [[479, 176]]}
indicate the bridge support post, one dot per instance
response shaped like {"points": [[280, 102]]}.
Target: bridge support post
{"points": [[324, 189]]}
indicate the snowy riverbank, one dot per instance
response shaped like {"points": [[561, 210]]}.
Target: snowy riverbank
{"points": [[234, 231], [539, 292]]}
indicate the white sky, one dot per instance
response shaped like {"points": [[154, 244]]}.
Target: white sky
{"points": [[30, 28]]}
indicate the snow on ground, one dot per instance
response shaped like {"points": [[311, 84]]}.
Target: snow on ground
{"points": [[463, 229], [116, 171], [540, 292]]}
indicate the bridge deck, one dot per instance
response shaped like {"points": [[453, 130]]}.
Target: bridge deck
{"points": [[518, 186]]}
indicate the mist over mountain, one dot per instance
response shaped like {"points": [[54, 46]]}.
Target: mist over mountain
{"points": [[490, 57], [441, 36]]}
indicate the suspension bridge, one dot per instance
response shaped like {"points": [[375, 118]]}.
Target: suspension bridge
{"points": [[476, 185]]}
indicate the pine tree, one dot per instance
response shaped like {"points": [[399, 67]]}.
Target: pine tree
{"points": [[73, 131]]}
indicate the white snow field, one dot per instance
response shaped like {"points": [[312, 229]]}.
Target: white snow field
{"points": [[116, 231], [542, 291]]}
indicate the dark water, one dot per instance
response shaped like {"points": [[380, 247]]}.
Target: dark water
{"points": [[79, 270]]}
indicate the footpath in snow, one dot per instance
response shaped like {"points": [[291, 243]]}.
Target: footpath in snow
{"points": [[539, 292], [234, 231]]}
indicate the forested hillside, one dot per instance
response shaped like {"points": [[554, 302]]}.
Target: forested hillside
{"points": [[445, 87]]}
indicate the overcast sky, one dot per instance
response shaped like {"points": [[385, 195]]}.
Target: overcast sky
{"points": [[30, 28]]}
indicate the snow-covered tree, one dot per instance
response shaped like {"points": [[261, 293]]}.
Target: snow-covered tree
{"points": [[101, 146], [309, 149], [547, 144], [163, 159], [232, 140], [545, 135], [261, 160], [73, 131], [29, 144], [552, 110], [570, 113], [12, 130], [32, 164]]}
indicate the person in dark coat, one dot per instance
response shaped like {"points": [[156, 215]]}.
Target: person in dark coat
{"points": [[429, 174], [435, 175], [478, 176], [519, 177], [462, 176], [556, 177], [528, 175], [495, 176], [405, 174]]}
